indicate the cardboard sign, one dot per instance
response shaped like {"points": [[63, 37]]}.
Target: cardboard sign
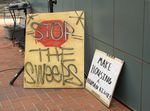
{"points": [[54, 50], [103, 75]]}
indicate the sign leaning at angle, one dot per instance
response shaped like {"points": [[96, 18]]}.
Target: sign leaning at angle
{"points": [[54, 50], [103, 75]]}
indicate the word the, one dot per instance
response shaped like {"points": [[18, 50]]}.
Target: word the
{"points": [[46, 54]]}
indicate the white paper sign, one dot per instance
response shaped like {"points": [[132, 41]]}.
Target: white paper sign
{"points": [[103, 75]]}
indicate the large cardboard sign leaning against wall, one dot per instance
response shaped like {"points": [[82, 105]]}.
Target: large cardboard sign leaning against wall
{"points": [[103, 75], [54, 50]]}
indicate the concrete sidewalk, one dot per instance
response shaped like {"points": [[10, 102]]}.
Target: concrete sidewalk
{"points": [[16, 98]]}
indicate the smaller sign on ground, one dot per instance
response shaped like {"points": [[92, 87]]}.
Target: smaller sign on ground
{"points": [[103, 75]]}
